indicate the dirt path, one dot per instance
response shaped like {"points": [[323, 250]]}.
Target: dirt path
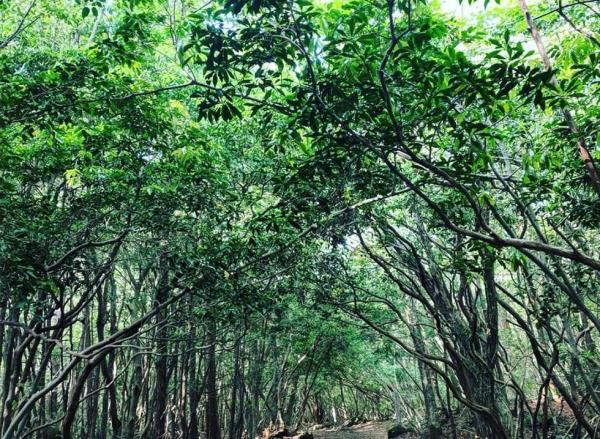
{"points": [[370, 430]]}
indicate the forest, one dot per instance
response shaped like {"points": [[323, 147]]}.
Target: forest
{"points": [[328, 219]]}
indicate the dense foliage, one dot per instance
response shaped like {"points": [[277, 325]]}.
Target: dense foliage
{"points": [[219, 217]]}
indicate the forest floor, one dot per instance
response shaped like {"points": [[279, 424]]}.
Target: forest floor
{"points": [[375, 430], [379, 430], [369, 430]]}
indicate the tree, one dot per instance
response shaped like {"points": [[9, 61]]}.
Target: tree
{"points": [[234, 216]]}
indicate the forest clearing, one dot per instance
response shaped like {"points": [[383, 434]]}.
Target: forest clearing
{"points": [[307, 219]]}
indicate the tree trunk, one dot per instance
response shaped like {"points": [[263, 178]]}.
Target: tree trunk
{"points": [[162, 378], [213, 430], [234, 391]]}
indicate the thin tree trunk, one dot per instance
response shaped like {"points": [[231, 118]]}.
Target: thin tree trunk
{"points": [[162, 379], [213, 430], [234, 391], [194, 394], [584, 152]]}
